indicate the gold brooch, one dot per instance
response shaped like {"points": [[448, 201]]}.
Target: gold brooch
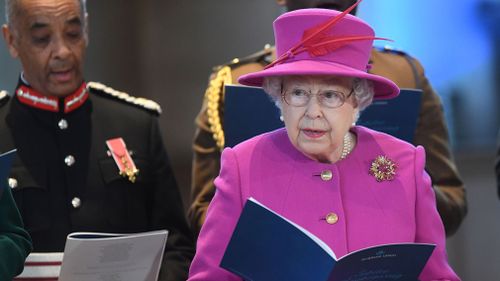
{"points": [[383, 169]]}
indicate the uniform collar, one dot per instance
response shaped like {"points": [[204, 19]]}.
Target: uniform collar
{"points": [[29, 96]]}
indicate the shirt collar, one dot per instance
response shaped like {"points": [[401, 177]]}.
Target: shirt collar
{"points": [[29, 96]]}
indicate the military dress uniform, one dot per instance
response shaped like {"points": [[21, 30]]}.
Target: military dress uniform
{"points": [[405, 71], [65, 178]]}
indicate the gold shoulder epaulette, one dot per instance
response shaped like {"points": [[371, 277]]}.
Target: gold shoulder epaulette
{"points": [[262, 56], [4, 97], [214, 94], [215, 90], [110, 92]]}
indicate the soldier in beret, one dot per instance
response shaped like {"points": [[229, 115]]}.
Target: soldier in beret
{"points": [[90, 158], [404, 70]]}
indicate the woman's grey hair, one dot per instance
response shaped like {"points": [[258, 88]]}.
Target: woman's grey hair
{"points": [[11, 9], [363, 90]]}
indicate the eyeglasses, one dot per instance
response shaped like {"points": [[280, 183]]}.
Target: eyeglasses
{"points": [[329, 98]]}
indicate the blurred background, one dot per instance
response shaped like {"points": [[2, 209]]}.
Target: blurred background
{"points": [[164, 50]]}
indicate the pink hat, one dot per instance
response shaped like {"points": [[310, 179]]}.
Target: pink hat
{"points": [[323, 42]]}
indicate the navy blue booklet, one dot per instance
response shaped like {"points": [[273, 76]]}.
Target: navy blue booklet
{"points": [[249, 111], [397, 117], [5, 164], [267, 247]]}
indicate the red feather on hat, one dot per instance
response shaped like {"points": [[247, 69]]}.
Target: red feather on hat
{"points": [[317, 41], [330, 43], [317, 33]]}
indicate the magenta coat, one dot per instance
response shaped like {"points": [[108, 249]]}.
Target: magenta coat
{"points": [[270, 169]]}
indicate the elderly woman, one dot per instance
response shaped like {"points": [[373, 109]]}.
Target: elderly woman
{"points": [[350, 186]]}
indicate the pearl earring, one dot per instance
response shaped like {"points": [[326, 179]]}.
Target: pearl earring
{"points": [[281, 118]]}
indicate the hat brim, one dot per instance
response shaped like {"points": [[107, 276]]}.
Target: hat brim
{"points": [[383, 87]]}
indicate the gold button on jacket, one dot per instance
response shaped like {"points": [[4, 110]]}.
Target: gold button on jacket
{"points": [[332, 218], [326, 175]]}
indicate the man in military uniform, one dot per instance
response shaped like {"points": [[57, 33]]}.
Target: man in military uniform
{"points": [[90, 158], [404, 70], [15, 243]]}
